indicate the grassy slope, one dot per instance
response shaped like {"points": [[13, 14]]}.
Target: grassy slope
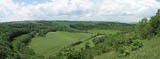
{"points": [[150, 50], [55, 41]]}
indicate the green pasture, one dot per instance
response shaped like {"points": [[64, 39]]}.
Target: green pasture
{"points": [[53, 42]]}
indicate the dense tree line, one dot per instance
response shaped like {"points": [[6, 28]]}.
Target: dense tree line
{"points": [[147, 28], [104, 25]]}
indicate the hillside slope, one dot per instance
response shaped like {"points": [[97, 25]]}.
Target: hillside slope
{"points": [[150, 50]]}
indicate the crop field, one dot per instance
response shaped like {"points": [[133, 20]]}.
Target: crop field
{"points": [[55, 41]]}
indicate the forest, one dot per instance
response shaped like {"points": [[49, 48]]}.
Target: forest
{"points": [[80, 39]]}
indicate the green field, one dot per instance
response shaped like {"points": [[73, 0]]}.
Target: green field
{"points": [[55, 41], [107, 32]]}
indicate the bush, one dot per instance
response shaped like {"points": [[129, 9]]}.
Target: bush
{"points": [[136, 44], [125, 51]]}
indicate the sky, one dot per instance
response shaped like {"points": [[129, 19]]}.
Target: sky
{"points": [[77, 10]]}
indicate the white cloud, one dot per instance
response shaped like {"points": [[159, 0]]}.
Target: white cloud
{"points": [[93, 10]]}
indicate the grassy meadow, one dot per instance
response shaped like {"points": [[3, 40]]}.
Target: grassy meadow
{"points": [[55, 41]]}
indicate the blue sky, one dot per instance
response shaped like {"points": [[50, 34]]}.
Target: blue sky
{"points": [[78, 10]]}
